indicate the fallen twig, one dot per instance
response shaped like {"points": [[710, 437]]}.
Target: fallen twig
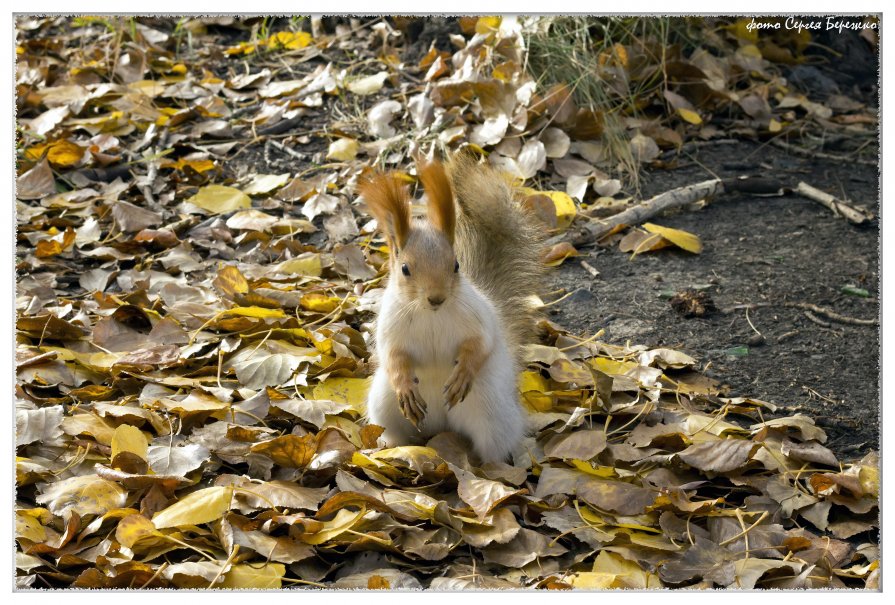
{"points": [[787, 336], [593, 228], [815, 319], [597, 228], [821, 155], [590, 269], [285, 149], [854, 215], [809, 307]]}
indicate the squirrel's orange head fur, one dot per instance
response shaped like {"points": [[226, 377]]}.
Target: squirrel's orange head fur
{"points": [[423, 264]]}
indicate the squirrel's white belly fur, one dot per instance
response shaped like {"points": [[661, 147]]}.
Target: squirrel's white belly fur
{"points": [[490, 415]]}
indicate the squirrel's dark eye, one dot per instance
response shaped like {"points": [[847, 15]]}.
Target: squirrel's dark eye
{"points": [[405, 269], [456, 266]]}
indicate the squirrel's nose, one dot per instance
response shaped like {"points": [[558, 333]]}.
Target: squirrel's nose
{"points": [[435, 301]]}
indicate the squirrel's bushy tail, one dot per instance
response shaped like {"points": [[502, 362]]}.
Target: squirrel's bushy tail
{"points": [[497, 243]]}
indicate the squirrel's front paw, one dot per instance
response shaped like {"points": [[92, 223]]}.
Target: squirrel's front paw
{"points": [[411, 403], [458, 384]]}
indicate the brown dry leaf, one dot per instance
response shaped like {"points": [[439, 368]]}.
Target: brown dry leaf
{"points": [[581, 445], [283, 549], [499, 527], [483, 495], [617, 496], [637, 242], [719, 456], [526, 547], [644, 148], [36, 183], [131, 218], [559, 253], [290, 451]]}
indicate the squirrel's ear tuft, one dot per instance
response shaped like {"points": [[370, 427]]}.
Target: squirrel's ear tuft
{"points": [[389, 203], [441, 198]]}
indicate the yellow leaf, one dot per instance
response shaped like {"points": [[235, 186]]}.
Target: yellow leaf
{"points": [[61, 153], [352, 391], [486, 25], [289, 40], [613, 367], [256, 312], [245, 48], [869, 477], [741, 30], [533, 387], [689, 115], [750, 50], [199, 507], [564, 204], [90, 424], [343, 150], [364, 461], [129, 439], [622, 53], [627, 573], [589, 580], [774, 126], [218, 199], [681, 239], [29, 526], [342, 522], [51, 247], [315, 301], [267, 576], [307, 264], [230, 281], [199, 166], [349, 429], [137, 528], [377, 582], [600, 471]]}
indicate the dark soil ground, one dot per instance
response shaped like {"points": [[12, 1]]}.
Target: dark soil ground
{"points": [[756, 250]]}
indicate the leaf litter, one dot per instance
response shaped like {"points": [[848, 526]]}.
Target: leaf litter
{"points": [[193, 350]]}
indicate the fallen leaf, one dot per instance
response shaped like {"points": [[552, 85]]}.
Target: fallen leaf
{"points": [[201, 506], [219, 199]]}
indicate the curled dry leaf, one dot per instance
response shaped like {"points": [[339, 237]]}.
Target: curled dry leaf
{"points": [[380, 116]]}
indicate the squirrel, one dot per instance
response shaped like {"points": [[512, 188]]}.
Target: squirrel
{"points": [[456, 307]]}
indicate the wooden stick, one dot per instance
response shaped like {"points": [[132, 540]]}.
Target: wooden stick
{"points": [[821, 155], [595, 229], [831, 315], [854, 215]]}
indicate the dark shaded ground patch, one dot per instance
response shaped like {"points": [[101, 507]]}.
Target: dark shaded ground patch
{"points": [[755, 250]]}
